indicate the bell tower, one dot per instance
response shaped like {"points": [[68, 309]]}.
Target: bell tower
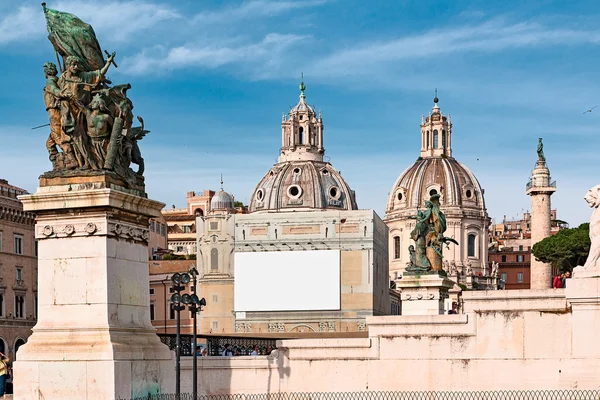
{"points": [[301, 133], [436, 133]]}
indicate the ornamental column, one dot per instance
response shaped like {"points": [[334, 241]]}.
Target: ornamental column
{"points": [[540, 188]]}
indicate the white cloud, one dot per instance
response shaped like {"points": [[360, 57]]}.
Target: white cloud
{"points": [[112, 20], [266, 52], [253, 9], [22, 24], [117, 20], [491, 36]]}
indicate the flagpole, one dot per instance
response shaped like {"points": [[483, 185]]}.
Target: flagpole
{"points": [[62, 69], [60, 66]]}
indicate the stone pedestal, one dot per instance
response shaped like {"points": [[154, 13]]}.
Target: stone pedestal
{"points": [[93, 338], [423, 294], [583, 293]]}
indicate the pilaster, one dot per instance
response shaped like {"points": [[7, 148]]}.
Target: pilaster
{"points": [[583, 293]]}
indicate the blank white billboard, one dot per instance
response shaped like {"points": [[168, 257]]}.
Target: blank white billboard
{"points": [[287, 281]]}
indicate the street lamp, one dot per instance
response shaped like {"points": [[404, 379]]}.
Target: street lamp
{"points": [[194, 304], [176, 281]]}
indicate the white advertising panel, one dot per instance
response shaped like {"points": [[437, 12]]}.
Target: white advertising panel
{"points": [[287, 281]]}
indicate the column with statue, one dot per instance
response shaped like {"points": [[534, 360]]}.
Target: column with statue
{"points": [[93, 338]]}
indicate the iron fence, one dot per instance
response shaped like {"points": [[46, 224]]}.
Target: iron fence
{"points": [[466, 395], [240, 345], [171, 341]]}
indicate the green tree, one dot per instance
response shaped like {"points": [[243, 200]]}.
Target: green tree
{"points": [[238, 204], [565, 250], [171, 256]]}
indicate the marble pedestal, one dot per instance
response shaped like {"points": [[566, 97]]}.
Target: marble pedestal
{"points": [[423, 294], [583, 293], [93, 338]]}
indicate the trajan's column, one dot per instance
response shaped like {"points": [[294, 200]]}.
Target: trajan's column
{"points": [[540, 188]]}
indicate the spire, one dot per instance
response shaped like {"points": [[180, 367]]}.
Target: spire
{"points": [[302, 88], [302, 132], [221, 181], [436, 132], [436, 108]]}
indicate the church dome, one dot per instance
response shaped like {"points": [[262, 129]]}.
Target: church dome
{"points": [[302, 185], [437, 172], [222, 201], [301, 179], [455, 183]]}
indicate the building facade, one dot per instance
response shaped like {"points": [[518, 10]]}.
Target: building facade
{"points": [[510, 247], [514, 261], [163, 317], [158, 241], [181, 222], [18, 270], [215, 264], [359, 236], [436, 171], [303, 208]]}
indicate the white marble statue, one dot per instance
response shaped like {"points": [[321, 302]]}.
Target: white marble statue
{"points": [[593, 261], [453, 268], [495, 269], [469, 268], [446, 266]]}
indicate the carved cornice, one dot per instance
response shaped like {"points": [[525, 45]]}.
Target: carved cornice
{"points": [[17, 216], [19, 286], [128, 232], [99, 227]]}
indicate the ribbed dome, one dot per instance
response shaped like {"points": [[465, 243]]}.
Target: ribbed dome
{"points": [[222, 201], [303, 107], [456, 184], [302, 185]]}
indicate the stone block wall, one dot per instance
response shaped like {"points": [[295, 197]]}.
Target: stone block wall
{"points": [[504, 341]]}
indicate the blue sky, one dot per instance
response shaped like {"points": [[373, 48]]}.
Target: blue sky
{"points": [[212, 78]]}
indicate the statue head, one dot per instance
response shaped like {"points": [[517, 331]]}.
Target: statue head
{"points": [[73, 64], [593, 196], [411, 249], [98, 103], [50, 69]]}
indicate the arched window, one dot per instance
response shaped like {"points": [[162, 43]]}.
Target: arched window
{"points": [[427, 145], [471, 245], [435, 139], [214, 259], [18, 343], [300, 135], [444, 140], [396, 247]]}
